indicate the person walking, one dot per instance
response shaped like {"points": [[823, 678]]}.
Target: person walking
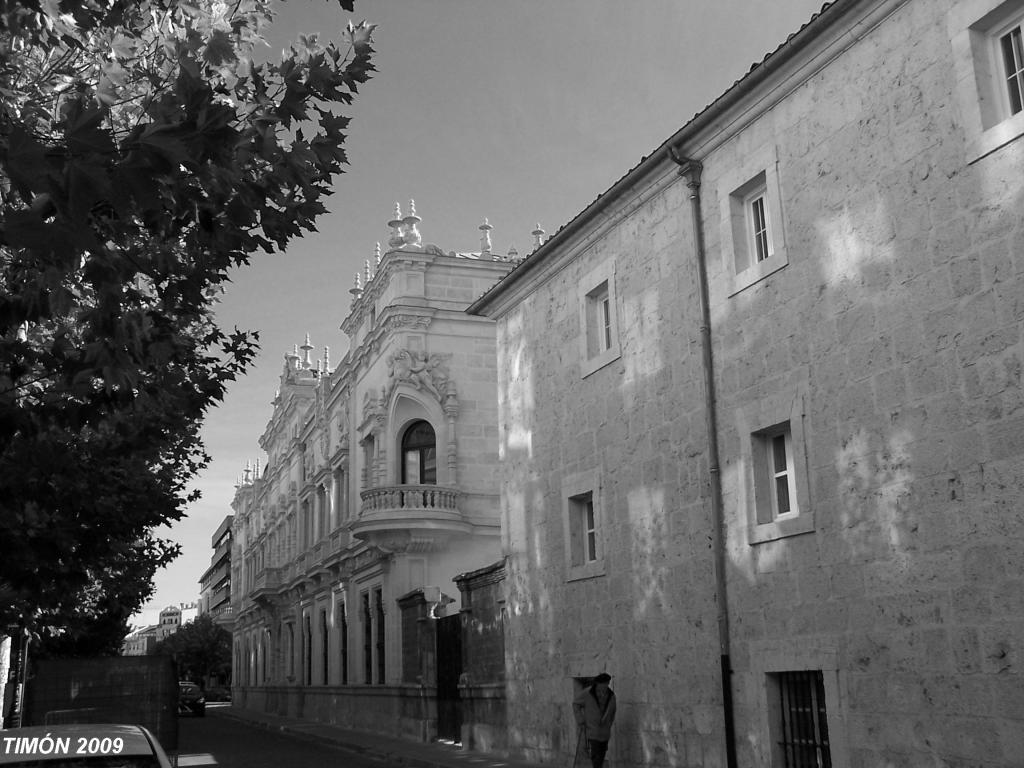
{"points": [[594, 709]]}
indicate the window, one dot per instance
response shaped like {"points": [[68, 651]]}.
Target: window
{"points": [[774, 493], [290, 650], [1012, 54], [802, 717], [307, 651], [773, 460], [751, 219], [324, 649], [988, 57], [599, 320], [343, 629], [584, 549], [757, 225], [583, 528], [419, 455], [599, 337], [378, 599], [367, 639], [802, 721]]}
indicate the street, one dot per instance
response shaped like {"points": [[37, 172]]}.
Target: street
{"points": [[220, 741]]}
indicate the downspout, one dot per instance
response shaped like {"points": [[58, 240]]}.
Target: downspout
{"points": [[691, 170]]}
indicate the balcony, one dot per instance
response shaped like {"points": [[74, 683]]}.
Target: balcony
{"points": [[221, 552], [266, 583], [225, 617], [409, 517]]}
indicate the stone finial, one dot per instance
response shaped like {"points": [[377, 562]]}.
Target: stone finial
{"points": [[247, 475], [367, 273], [485, 237], [377, 254], [327, 359], [538, 236], [396, 240], [513, 254], [306, 348], [357, 289], [257, 475], [412, 234]]}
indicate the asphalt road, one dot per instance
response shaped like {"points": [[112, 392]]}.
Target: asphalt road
{"points": [[220, 741]]}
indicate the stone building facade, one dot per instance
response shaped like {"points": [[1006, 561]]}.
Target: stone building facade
{"points": [[761, 412], [379, 489]]}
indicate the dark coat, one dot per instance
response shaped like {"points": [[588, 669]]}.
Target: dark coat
{"points": [[588, 712]]}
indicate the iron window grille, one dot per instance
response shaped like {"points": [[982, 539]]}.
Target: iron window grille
{"points": [[804, 732]]}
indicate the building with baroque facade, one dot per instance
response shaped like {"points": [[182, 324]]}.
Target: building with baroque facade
{"points": [[358, 546], [762, 422]]}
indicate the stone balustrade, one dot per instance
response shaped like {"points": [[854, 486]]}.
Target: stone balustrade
{"points": [[408, 498]]}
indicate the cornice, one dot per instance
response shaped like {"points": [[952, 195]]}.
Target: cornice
{"points": [[839, 26], [626, 204], [390, 263]]}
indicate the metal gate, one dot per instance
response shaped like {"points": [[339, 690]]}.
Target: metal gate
{"points": [[449, 669]]}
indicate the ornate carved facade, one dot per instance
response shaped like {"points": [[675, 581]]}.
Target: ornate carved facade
{"points": [[378, 486]]}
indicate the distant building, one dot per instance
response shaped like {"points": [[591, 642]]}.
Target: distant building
{"points": [[215, 583], [376, 516], [762, 416], [173, 617], [141, 642]]}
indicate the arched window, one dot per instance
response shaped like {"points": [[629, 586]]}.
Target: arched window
{"points": [[419, 455]]}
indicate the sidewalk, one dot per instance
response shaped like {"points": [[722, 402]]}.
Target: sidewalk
{"points": [[392, 751]]}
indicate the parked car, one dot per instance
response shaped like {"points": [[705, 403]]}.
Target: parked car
{"points": [[191, 699], [218, 693], [82, 745]]}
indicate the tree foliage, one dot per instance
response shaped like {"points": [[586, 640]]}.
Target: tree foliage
{"points": [[201, 649], [144, 154]]}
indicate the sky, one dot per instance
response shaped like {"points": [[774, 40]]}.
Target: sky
{"points": [[521, 111]]}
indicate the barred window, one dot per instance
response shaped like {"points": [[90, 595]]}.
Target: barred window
{"points": [[804, 729]]}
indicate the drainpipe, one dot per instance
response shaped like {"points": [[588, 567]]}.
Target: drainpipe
{"points": [[690, 170]]}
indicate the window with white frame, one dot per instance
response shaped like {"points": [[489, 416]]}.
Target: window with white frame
{"points": [[774, 494], [598, 319], [756, 210], [776, 484], [1011, 52], [751, 215], [583, 529], [582, 521], [988, 56]]}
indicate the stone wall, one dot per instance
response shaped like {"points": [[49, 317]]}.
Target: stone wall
{"points": [[898, 323], [889, 339], [631, 432]]}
